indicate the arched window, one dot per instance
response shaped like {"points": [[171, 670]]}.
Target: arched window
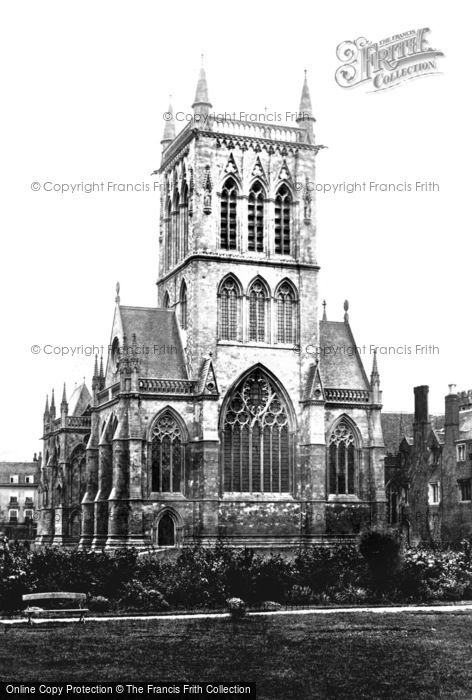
{"points": [[228, 215], [77, 476], [168, 234], [229, 296], [258, 299], [176, 228], [184, 218], [255, 231], [286, 314], [342, 460], [283, 220], [183, 306], [167, 455], [256, 439], [166, 301]]}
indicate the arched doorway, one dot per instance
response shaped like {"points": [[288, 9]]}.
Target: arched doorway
{"points": [[166, 531]]}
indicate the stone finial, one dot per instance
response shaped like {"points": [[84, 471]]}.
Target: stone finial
{"points": [[117, 298], [201, 104], [169, 128], [325, 318], [346, 309]]}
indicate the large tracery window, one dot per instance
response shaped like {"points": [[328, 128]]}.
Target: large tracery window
{"points": [[229, 301], [283, 216], [228, 215], [286, 314], [342, 460], [258, 300], [256, 438], [256, 218], [167, 455]]}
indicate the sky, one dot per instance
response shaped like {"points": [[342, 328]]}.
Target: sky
{"points": [[84, 88]]}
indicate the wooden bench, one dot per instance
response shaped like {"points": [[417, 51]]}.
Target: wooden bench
{"points": [[62, 595]]}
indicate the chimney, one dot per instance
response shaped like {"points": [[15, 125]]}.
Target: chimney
{"points": [[421, 404], [451, 422]]}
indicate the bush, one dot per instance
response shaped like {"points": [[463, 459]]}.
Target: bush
{"points": [[237, 608], [382, 552], [136, 596], [98, 603]]}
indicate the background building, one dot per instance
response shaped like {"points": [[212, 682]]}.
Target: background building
{"points": [[19, 483]]}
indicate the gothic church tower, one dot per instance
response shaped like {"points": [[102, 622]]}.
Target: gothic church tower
{"points": [[221, 414]]}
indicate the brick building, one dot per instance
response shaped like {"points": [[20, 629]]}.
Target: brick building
{"points": [[429, 474], [19, 498], [217, 416]]}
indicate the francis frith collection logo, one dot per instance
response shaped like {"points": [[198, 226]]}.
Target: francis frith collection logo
{"points": [[388, 62]]}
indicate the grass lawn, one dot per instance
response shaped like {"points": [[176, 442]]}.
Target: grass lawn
{"points": [[362, 655]]}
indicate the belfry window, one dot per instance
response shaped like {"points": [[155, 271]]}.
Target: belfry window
{"points": [[258, 300], [286, 314], [176, 214], [168, 235], [183, 306], [228, 215], [256, 441], [283, 220], [167, 456], [229, 298], [256, 218], [184, 218], [342, 460]]}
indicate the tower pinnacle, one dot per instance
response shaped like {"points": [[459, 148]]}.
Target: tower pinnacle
{"points": [[305, 118], [201, 104], [169, 129]]}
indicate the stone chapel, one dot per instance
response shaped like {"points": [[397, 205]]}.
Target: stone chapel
{"points": [[222, 413]]}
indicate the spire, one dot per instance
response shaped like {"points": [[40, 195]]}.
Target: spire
{"points": [[375, 381], [52, 412], [95, 377], [325, 318], [64, 405], [201, 104], [46, 409], [169, 129], [101, 375], [305, 118], [375, 371]]}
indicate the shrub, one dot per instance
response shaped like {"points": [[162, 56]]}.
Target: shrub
{"points": [[136, 596], [98, 603], [382, 552], [237, 608]]}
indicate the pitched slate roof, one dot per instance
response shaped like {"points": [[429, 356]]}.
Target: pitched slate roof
{"points": [[20, 468], [158, 341], [80, 400], [340, 363], [396, 426]]}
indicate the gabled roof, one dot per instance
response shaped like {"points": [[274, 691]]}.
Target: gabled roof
{"points": [[395, 427], [80, 400], [158, 341], [340, 363]]}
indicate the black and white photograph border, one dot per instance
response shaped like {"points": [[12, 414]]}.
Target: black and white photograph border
{"points": [[237, 415]]}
